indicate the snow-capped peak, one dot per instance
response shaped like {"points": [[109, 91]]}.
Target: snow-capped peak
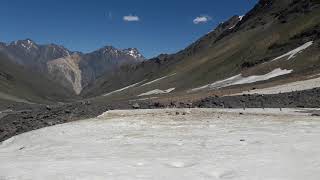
{"points": [[27, 44], [109, 50], [134, 53]]}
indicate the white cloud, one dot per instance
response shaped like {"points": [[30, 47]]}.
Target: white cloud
{"points": [[131, 18], [201, 19]]}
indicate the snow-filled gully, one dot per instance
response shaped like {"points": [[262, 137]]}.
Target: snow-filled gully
{"points": [[170, 144]]}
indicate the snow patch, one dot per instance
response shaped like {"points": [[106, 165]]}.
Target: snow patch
{"points": [[133, 52], [293, 53], [145, 144], [239, 79], [241, 17], [289, 87], [157, 91], [122, 89], [156, 80]]}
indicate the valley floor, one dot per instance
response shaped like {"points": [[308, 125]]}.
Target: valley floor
{"points": [[17, 118], [170, 144]]}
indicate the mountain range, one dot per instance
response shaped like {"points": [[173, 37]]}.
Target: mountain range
{"points": [[72, 70], [275, 43]]}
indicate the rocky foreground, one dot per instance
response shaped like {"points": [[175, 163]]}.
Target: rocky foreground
{"points": [[19, 118]]}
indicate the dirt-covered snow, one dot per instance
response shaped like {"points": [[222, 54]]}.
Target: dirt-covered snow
{"points": [[170, 144], [157, 91]]}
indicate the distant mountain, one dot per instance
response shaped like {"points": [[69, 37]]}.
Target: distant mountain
{"points": [[29, 54], [73, 70], [276, 42], [18, 84]]}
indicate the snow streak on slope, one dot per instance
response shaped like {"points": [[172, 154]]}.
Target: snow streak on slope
{"points": [[158, 144], [293, 53], [289, 87], [156, 80], [157, 91], [241, 17], [125, 88], [239, 79]]}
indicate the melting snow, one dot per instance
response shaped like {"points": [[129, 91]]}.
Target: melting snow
{"points": [[158, 144], [293, 53], [157, 91], [156, 80], [122, 89], [289, 87], [239, 79]]}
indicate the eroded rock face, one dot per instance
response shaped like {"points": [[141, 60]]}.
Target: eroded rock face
{"points": [[67, 72]]}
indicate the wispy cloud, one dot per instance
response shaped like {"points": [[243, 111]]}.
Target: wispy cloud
{"points": [[202, 19], [131, 18]]}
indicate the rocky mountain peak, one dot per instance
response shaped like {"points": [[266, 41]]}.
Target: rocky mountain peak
{"points": [[59, 50], [26, 44], [134, 52], [112, 51], [107, 50]]}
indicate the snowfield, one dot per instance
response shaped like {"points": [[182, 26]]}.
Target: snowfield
{"points": [[293, 53], [284, 88], [239, 79], [168, 144]]}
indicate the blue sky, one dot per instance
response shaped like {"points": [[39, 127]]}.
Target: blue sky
{"points": [[152, 26]]}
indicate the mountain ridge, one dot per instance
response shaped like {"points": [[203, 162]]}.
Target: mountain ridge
{"points": [[66, 67], [243, 46]]}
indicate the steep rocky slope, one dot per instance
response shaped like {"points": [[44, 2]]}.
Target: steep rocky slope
{"points": [[66, 70]]}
